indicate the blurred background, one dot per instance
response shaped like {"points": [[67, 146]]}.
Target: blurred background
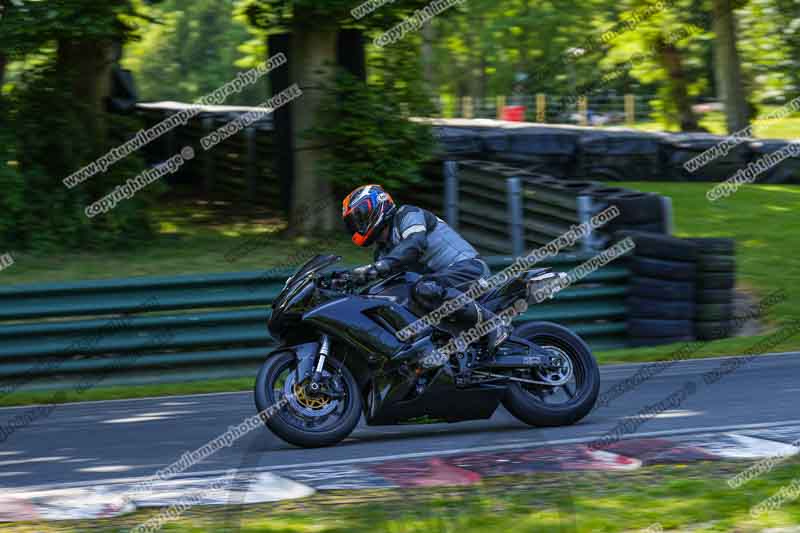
{"points": [[600, 100], [514, 120]]}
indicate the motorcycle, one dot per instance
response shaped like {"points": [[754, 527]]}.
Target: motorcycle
{"points": [[341, 355]]}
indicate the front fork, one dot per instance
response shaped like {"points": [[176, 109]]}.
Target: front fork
{"points": [[324, 350]]}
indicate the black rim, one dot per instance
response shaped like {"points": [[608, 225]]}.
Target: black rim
{"points": [[560, 395], [305, 412]]}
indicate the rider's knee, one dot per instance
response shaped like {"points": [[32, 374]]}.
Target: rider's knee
{"points": [[427, 293]]}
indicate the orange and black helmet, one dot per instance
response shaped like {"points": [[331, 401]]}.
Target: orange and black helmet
{"points": [[365, 211]]}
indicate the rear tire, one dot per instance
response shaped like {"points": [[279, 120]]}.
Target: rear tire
{"points": [[527, 407]]}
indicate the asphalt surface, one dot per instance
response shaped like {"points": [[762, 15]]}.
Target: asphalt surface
{"points": [[87, 443]]}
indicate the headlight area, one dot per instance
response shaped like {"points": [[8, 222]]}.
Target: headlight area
{"points": [[291, 306]]}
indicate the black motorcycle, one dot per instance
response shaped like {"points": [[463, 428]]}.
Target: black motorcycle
{"points": [[341, 355]]}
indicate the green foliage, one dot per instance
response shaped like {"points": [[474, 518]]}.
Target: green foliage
{"points": [[195, 48], [32, 24], [50, 128], [687, 29], [281, 15], [370, 138], [36, 209], [481, 49], [12, 185], [769, 44]]}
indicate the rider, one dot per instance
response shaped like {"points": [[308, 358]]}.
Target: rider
{"points": [[409, 238]]}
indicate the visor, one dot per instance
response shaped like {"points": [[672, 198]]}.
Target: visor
{"points": [[358, 218]]}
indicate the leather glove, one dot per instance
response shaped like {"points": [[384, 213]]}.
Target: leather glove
{"points": [[364, 274]]}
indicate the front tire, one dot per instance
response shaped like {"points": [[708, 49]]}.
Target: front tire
{"points": [[528, 403], [305, 421]]}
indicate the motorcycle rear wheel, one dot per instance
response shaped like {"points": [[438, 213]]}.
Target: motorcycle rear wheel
{"points": [[529, 403]]}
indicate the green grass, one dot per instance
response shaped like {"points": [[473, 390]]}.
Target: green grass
{"points": [[763, 220], [23, 397], [677, 497], [192, 238], [714, 122]]}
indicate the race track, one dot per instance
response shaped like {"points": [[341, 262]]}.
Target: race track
{"points": [[81, 445]]}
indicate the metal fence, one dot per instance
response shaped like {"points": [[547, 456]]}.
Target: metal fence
{"points": [[198, 327], [599, 109]]}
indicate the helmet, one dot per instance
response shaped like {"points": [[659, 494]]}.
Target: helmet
{"points": [[365, 211]]}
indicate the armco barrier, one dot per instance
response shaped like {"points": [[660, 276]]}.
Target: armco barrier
{"points": [[188, 328], [505, 210]]}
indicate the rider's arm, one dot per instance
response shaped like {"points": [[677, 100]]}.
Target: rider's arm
{"points": [[412, 245]]}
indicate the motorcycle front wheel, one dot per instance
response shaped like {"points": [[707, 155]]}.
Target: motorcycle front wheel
{"points": [[571, 387], [307, 420]]}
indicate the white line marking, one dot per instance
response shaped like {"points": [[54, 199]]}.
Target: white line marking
{"points": [[150, 398], [417, 455]]}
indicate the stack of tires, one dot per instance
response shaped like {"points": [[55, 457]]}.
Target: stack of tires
{"points": [[620, 155], [639, 211], [457, 142], [680, 148], [548, 150], [788, 171], [661, 301], [716, 279]]}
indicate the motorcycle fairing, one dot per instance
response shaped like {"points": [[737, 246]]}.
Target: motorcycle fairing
{"points": [[351, 319], [441, 399]]}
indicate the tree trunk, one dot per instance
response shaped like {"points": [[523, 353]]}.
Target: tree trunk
{"points": [[313, 54], [86, 66], [351, 54], [727, 67], [3, 63], [678, 85], [484, 79], [428, 38], [474, 63]]}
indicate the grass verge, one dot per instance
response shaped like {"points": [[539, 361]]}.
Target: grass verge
{"points": [[714, 122], [674, 497], [194, 237], [762, 219], [23, 397]]}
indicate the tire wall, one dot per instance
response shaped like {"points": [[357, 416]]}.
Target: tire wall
{"points": [[680, 289]]}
